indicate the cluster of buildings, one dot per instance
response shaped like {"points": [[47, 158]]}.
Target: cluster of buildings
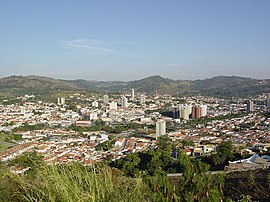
{"points": [[58, 142], [187, 111]]}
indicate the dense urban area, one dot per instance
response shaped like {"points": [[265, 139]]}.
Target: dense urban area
{"points": [[138, 133]]}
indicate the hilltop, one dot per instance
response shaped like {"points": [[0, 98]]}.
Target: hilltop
{"points": [[217, 86]]}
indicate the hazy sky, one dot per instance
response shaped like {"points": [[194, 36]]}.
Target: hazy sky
{"points": [[133, 39]]}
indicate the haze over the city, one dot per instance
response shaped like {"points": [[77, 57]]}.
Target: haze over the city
{"points": [[128, 40]]}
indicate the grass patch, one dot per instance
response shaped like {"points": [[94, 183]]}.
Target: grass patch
{"points": [[72, 182], [3, 147]]}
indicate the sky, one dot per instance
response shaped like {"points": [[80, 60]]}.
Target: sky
{"points": [[134, 39]]}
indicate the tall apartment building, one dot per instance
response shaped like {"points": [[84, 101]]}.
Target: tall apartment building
{"points": [[124, 101], [113, 105], [132, 94], [142, 99], [61, 101], [250, 106], [95, 104], [196, 112], [203, 110], [105, 99], [160, 127]]}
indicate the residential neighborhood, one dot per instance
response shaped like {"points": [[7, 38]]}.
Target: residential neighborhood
{"points": [[93, 129]]}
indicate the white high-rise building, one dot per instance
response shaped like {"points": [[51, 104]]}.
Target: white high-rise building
{"points": [[113, 105], [23, 110], [203, 110], [132, 94], [106, 99], [95, 104], [142, 99], [189, 107], [184, 111], [61, 101], [250, 106], [124, 101], [93, 116], [160, 127]]}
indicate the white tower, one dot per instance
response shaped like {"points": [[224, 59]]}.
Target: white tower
{"points": [[203, 110], [160, 127], [132, 94], [63, 101], [23, 110], [250, 106], [184, 112], [106, 99], [95, 104], [58, 101], [142, 99], [113, 105], [124, 101]]}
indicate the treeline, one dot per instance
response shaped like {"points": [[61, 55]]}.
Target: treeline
{"points": [[74, 182], [27, 127], [101, 125], [196, 183], [136, 177]]}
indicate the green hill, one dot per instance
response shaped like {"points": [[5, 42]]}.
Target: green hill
{"points": [[232, 86], [218, 86]]}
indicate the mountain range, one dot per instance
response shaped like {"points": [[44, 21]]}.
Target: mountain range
{"points": [[223, 86]]}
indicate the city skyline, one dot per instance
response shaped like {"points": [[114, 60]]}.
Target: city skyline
{"points": [[126, 40]]}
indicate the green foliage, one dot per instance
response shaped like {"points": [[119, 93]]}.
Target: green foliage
{"points": [[72, 107], [27, 159], [161, 188], [72, 182], [225, 152], [152, 162], [164, 143], [11, 123], [7, 139], [37, 112], [245, 198], [268, 180], [187, 143], [197, 184], [105, 146], [27, 127], [101, 125], [251, 179]]}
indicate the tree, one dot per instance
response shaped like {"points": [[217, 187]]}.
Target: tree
{"points": [[268, 179], [164, 143], [251, 179], [28, 159], [128, 164], [197, 183], [187, 143]]}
